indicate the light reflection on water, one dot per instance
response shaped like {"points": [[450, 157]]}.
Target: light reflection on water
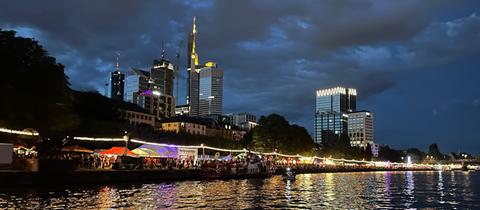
{"points": [[326, 191]]}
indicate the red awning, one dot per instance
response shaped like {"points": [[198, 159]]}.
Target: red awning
{"points": [[117, 151]]}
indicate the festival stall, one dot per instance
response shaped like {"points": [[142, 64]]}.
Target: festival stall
{"points": [[187, 154], [145, 152], [118, 151], [161, 151]]}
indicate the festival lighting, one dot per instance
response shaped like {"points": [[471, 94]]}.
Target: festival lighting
{"points": [[409, 161], [327, 161], [27, 133], [98, 139]]}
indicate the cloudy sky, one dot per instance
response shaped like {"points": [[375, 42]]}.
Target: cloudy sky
{"points": [[414, 63]]}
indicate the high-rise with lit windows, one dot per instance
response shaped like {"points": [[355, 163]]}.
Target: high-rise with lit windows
{"points": [[117, 84], [211, 90], [360, 128], [332, 106], [204, 83]]}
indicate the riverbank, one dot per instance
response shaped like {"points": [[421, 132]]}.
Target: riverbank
{"points": [[80, 177]]}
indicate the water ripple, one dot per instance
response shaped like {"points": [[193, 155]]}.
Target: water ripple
{"points": [[443, 190]]}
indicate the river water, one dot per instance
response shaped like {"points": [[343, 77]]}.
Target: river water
{"points": [[445, 190]]}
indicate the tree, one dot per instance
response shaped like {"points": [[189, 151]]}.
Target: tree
{"points": [[435, 152], [415, 154], [385, 153], [275, 133], [34, 88], [368, 152]]}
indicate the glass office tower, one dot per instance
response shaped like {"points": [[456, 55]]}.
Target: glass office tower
{"points": [[211, 90], [117, 83], [332, 106]]}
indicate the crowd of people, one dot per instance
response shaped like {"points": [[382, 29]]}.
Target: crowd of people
{"points": [[244, 164]]}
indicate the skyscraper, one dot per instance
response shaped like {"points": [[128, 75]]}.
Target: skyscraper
{"points": [[360, 128], [161, 85], [162, 76], [136, 83], [192, 73], [332, 106], [149, 92], [205, 83], [211, 90], [117, 82]]}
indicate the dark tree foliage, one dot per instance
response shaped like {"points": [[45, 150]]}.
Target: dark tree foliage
{"points": [[435, 152], [36, 94], [275, 133], [99, 116], [34, 89], [416, 154], [338, 146], [385, 153]]}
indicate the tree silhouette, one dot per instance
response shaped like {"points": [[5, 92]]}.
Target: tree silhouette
{"points": [[34, 88], [275, 133]]}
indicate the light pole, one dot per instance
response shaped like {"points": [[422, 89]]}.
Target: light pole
{"points": [[125, 137]]}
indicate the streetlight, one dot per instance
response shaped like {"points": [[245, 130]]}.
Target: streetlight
{"points": [[125, 138]]}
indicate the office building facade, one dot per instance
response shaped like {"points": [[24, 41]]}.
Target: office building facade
{"points": [[148, 89], [117, 85], [136, 83], [244, 121], [332, 106], [210, 90], [360, 128]]}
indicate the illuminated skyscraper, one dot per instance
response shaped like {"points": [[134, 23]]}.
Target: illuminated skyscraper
{"points": [[211, 90], [205, 83], [193, 76], [332, 106], [161, 84], [153, 90], [117, 82]]}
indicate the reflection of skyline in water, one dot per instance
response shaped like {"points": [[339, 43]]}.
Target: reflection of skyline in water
{"points": [[315, 191]]}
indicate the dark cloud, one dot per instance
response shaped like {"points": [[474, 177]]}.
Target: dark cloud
{"points": [[275, 53]]}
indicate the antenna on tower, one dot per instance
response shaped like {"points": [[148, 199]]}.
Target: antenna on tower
{"points": [[163, 50], [117, 63]]}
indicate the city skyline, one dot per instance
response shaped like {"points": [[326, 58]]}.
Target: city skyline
{"points": [[410, 62]]}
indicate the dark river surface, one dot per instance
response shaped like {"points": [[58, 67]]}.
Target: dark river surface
{"points": [[434, 190]]}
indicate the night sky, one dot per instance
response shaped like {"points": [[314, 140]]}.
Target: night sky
{"points": [[414, 63]]}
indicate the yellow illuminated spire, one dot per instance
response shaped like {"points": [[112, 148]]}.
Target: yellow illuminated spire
{"points": [[193, 53], [194, 26]]}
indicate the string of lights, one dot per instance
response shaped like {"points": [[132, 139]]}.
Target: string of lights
{"points": [[26, 133], [202, 146]]}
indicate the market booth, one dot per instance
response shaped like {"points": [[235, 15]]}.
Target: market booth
{"points": [[161, 151], [164, 151], [122, 158], [118, 151], [145, 152]]}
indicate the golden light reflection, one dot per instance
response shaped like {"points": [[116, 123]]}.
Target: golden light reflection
{"points": [[329, 189], [107, 197]]}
